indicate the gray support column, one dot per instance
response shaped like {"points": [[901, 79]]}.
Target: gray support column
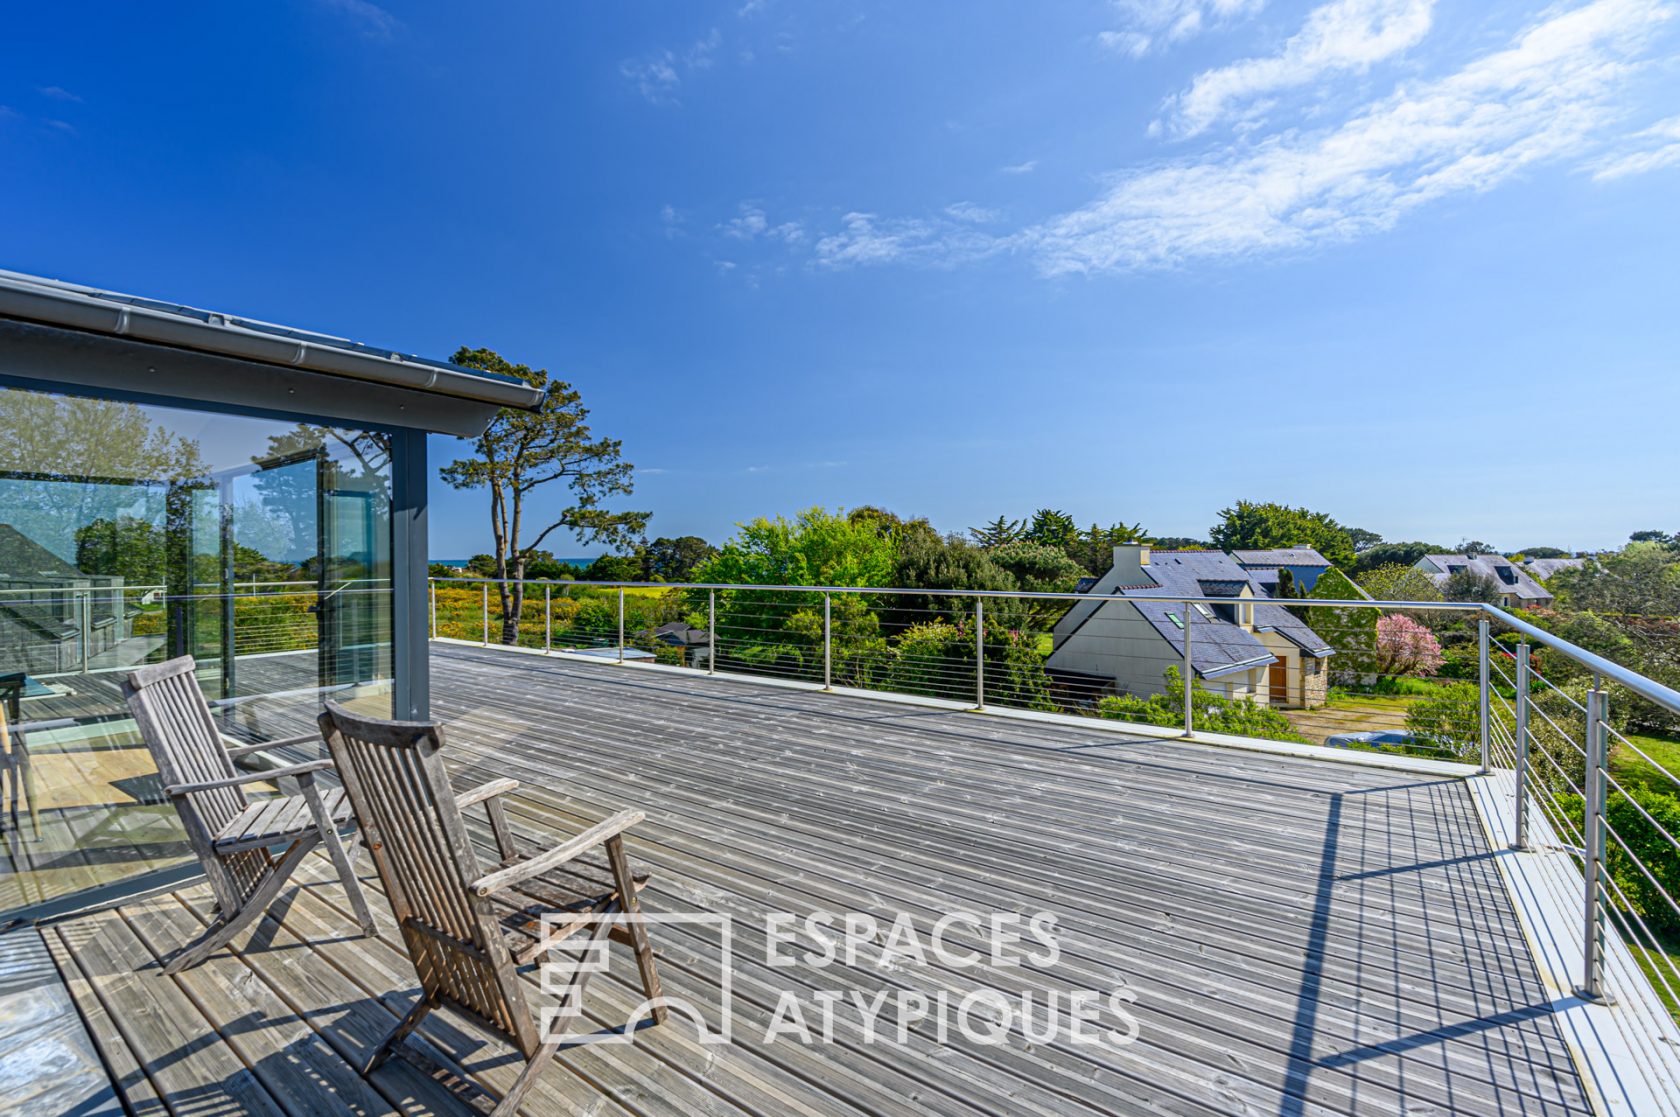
{"points": [[411, 695]]}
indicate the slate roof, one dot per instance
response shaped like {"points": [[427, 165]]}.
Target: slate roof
{"points": [[1546, 567], [1217, 647], [1516, 581], [1282, 556]]}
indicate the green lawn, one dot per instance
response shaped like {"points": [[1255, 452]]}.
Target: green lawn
{"points": [[1629, 767]]}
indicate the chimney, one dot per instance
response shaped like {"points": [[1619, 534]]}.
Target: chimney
{"points": [[1129, 561]]}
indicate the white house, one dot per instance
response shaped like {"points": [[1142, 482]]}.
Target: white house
{"points": [[1239, 647]]}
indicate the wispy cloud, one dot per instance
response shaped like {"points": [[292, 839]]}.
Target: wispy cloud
{"points": [[659, 76], [1025, 168], [1149, 25], [971, 213], [64, 126], [1655, 147], [941, 242], [1550, 96], [1340, 35], [373, 21], [750, 223], [57, 93], [670, 220]]}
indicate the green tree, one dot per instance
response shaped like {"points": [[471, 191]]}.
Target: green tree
{"points": [[997, 533], [1394, 582], [1641, 579], [612, 568], [1248, 525], [1471, 585], [816, 548], [1363, 540], [1394, 554], [1544, 552], [1352, 632], [1052, 528], [673, 560], [522, 451]]}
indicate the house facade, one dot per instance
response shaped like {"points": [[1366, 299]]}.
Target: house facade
{"points": [[1517, 589], [1240, 646]]}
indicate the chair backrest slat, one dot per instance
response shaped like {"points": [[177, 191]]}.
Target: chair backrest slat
{"points": [[176, 723], [395, 779]]}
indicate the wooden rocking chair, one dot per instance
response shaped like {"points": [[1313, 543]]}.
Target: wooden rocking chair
{"points": [[230, 833], [467, 929]]}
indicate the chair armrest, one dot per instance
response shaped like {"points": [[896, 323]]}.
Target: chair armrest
{"points": [[240, 748], [484, 791], [308, 769], [559, 855]]}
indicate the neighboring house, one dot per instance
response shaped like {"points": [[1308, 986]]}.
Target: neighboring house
{"points": [[1516, 588], [1546, 567], [1304, 563], [53, 617], [696, 643], [1239, 647]]}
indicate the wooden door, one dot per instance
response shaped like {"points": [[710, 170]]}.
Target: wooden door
{"points": [[1277, 680]]}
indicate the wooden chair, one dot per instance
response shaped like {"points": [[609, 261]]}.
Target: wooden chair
{"points": [[230, 833], [466, 929]]}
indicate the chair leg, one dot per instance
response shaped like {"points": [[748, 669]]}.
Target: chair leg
{"points": [[220, 933], [335, 849], [399, 1033], [638, 930]]}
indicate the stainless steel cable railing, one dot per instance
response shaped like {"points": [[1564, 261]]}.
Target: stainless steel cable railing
{"points": [[986, 648]]}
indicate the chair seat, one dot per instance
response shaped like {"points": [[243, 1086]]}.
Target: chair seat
{"points": [[568, 894], [269, 821]]}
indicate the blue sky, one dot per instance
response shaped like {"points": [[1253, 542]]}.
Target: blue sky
{"points": [[1408, 262]]}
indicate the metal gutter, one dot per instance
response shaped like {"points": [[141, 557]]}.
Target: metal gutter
{"points": [[57, 304]]}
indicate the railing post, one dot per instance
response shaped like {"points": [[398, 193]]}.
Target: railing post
{"points": [[621, 624], [979, 653], [1482, 677], [485, 617], [828, 644], [1592, 834], [1521, 837], [87, 626], [548, 618], [1189, 674], [431, 591], [711, 632]]}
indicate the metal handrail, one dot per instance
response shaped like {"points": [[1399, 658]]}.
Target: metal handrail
{"points": [[1510, 738]]}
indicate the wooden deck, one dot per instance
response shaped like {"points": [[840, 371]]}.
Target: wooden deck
{"points": [[1302, 938]]}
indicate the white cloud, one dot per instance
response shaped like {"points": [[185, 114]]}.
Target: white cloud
{"points": [[1340, 35], [750, 223], [1660, 145], [1155, 24], [866, 242], [751, 8], [375, 22], [57, 93], [671, 220], [973, 214], [654, 76], [1550, 96], [658, 76], [1020, 168]]}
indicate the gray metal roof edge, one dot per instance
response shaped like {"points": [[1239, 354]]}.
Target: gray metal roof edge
{"points": [[1233, 668], [85, 308]]}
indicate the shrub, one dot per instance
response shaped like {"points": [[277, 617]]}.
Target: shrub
{"points": [[1213, 713], [1405, 647]]}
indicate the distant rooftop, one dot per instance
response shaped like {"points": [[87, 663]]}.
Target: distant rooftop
{"points": [[1282, 556]]}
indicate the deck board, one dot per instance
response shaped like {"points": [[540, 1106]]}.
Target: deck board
{"points": [[1303, 939]]}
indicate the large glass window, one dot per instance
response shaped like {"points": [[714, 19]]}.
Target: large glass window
{"points": [[133, 533]]}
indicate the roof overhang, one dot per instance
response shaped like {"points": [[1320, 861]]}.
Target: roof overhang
{"points": [[58, 333], [1233, 668]]}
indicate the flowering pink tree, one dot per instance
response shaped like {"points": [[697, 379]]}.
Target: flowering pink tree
{"points": [[1405, 647]]}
